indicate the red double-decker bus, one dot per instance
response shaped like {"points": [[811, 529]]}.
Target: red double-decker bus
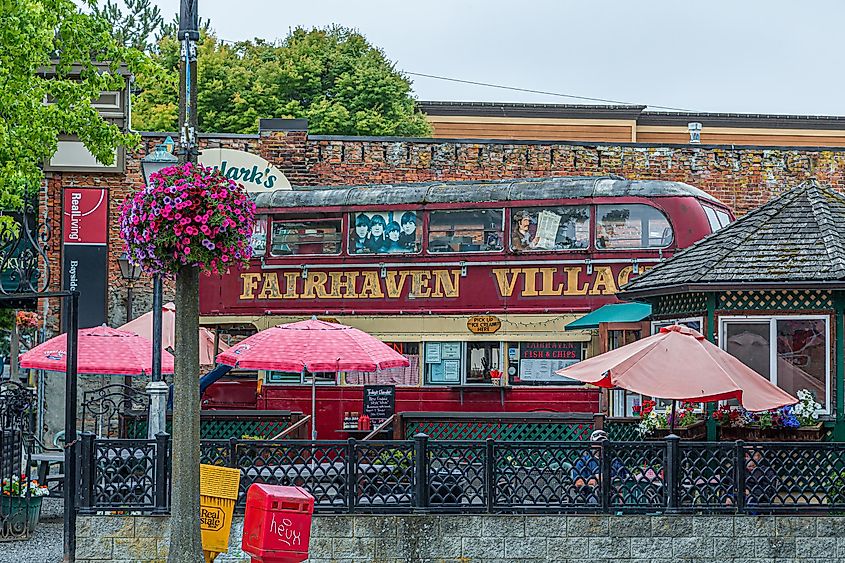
{"points": [[474, 282]]}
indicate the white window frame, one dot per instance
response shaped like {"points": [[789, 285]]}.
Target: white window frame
{"points": [[676, 322], [773, 349]]}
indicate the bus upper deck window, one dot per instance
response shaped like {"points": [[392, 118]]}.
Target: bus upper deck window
{"points": [[631, 226], [475, 230], [385, 232], [297, 238], [550, 228]]}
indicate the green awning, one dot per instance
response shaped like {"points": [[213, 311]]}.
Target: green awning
{"points": [[615, 313]]}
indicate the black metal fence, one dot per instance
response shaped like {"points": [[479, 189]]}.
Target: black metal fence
{"points": [[489, 476]]}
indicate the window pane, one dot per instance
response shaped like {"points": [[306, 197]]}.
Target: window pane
{"points": [[712, 218], [632, 226], [404, 377], [801, 360], [482, 359], [305, 237], [552, 228], [478, 230], [537, 362], [443, 362], [258, 241], [385, 232], [749, 343], [724, 218]]}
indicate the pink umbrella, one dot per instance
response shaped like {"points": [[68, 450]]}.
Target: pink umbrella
{"points": [[315, 346], [680, 364], [101, 350], [143, 326]]}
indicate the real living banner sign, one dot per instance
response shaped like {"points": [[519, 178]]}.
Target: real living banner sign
{"points": [[85, 251], [437, 289]]}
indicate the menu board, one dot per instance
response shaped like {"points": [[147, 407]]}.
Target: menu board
{"points": [[379, 402], [538, 361]]}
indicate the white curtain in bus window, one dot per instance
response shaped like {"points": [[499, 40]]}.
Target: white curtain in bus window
{"points": [[632, 226], [403, 377], [385, 232], [550, 228], [258, 241], [476, 230], [538, 362], [297, 238]]}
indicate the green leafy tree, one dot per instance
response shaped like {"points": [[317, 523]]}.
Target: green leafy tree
{"points": [[54, 60], [333, 77], [138, 27]]}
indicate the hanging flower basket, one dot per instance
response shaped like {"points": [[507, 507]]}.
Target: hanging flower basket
{"points": [[188, 215]]}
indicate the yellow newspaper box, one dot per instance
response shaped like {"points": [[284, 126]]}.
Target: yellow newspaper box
{"points": [[218, 494]]}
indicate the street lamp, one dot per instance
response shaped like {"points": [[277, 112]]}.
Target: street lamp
{"points": [[161, 158], [130, 273]]}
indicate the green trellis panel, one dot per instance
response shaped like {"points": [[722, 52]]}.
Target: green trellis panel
{"points": [[211, 429], [783, 300], [681, 304], [503, 431]]}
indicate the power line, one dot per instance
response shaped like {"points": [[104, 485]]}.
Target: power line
{"points": [[558, 94]]}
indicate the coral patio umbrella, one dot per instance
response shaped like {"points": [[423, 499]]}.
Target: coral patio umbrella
{"points": [[315, 346], [143, 326], [101, 350], [679, 364]]}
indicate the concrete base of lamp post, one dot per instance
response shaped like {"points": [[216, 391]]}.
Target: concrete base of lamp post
{"points": [[157, 420]]}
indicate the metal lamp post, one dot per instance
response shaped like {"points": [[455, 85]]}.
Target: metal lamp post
{"points": [[160, 158], [130, 273]]}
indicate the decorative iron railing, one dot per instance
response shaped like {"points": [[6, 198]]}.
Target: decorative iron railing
{"points": [[667, 476]]}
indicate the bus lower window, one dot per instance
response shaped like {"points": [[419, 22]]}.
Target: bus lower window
{"points": [[631, 226], [305, 237], [477, 230], [551, 228]]}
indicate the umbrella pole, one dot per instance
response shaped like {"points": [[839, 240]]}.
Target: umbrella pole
{"points": [[313, 404], [672, 423]]}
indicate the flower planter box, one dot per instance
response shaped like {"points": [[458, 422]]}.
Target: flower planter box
{"points": [[697, 431], [756, 434], [19, 516]]}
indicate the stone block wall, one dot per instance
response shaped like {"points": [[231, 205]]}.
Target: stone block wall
{"points": [[500, 538]]}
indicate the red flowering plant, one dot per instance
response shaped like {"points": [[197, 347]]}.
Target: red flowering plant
{"points": [[26, 320], [188, 215]]}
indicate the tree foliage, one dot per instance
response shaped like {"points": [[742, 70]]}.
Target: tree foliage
{"points": [[51, 52], [139, 27], [333, 77]]}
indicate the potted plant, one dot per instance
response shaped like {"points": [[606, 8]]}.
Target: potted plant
{"points": [[656, 425], [799, 422], [20, 504]]}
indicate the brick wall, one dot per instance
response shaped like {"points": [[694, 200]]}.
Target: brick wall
{"points": [[501, 538]]}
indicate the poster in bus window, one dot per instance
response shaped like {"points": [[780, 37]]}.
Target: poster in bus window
{"points": [[553, 228], [538, 361], [258, 241], [385, 232]]}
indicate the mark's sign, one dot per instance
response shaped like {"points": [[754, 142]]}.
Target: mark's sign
{"points": [[485, 288], [255, 173]]}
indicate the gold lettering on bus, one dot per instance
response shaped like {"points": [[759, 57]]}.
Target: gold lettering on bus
{"points": [[270, 288], [604, 283], [506, 284], [549, 289], [572, 281], [529, 281], [419, 283], [446, 283], [250, 284], [315, 286], [394, 289], [371, 288], [290, 285], [343, 285]]}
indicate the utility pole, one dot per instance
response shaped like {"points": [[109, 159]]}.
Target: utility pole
{"points": [[185, 538]]}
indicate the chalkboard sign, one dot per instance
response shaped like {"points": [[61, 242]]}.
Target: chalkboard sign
{"points": [[379, 402]]}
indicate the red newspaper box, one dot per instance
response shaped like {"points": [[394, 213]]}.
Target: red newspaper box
{"points": [[277, 523]]}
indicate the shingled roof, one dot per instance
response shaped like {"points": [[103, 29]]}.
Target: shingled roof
{"points": [[796, 239]]}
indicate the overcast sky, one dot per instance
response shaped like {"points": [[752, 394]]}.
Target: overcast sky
{"points": [[747, 56]]}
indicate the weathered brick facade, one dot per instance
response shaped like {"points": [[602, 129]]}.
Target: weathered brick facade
{"points": [[742, 177]]}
